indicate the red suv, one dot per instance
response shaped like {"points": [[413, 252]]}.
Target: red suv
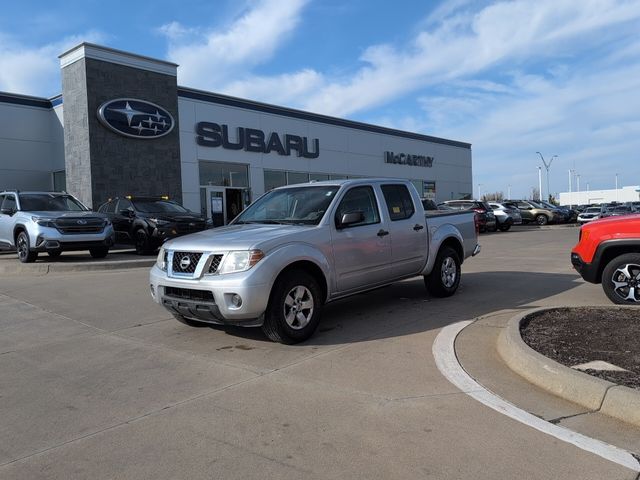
{"points": [[608, 252]]}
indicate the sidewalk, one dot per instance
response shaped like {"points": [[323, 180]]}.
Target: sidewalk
{"points": [[476, 350]]}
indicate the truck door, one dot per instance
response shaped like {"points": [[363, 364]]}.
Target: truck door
{"points": [[362, 250], [407, 231]]}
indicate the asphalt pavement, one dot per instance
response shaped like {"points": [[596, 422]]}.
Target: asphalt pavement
{"points": [[96, 381]]}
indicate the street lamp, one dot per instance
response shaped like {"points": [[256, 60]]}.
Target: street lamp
{"points": [[480, 191], [547, 167]]}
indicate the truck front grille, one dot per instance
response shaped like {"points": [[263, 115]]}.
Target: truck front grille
{"points": [[189, 294], [185, 262], [190, 227], [216, 260]]}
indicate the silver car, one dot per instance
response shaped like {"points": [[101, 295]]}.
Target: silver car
{"points": [[507, 214], [590, 214]]}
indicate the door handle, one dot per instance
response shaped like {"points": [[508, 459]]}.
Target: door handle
{"points": [[417, 227], [382, 233]]}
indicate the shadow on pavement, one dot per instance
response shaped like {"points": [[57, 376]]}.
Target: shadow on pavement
{"points": [[406, 308]]}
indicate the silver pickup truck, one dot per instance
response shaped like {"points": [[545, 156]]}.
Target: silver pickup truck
{"points": [[299, 247]]}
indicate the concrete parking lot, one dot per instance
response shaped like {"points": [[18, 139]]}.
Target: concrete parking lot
{"points": [[96, 381]]}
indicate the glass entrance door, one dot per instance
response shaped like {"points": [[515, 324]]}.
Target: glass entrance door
{"points": [[215, 206]]}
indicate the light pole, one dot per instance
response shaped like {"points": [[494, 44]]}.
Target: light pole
{"points": [[480, 191], [570, 182], [616, 187], [547, 166], [540, 183], [578, 188]]}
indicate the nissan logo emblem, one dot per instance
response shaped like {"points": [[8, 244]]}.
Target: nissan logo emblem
{"points": [[135, 118], [185, 262]]}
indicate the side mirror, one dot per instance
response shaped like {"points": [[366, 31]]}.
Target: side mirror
{"points": [[126, 213], [7, 211], [350, 218]]}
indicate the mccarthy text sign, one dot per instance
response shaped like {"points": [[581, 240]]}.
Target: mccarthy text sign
{"points": [[408, 159]]}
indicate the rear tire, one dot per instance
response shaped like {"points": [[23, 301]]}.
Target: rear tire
{"points": [[25, 254], [294, 309], [505, 228], [99, 252], [542, 219], [444, 279]]}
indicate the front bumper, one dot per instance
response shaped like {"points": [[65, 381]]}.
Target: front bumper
{"points": [[588, 271], [43, 239], [209, 298]]}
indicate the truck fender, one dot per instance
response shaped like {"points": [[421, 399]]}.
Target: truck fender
{"points": [[446, 233], [287, 255]]}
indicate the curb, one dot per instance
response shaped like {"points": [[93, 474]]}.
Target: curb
{"points": [[53, 267], [593, 393]]}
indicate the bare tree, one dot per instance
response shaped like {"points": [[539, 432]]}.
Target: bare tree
{"points": [[493, 197]]}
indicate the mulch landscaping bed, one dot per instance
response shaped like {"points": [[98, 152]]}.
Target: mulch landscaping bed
{"points": [[572, 336]]}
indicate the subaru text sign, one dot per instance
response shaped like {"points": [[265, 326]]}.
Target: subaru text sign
{"points": [[135, 118]]}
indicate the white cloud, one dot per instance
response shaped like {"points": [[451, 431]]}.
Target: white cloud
{"points": [[36, 70], [215, 58]]}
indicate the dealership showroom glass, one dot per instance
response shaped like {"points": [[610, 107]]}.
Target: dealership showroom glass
{"points": [[123, 126]]}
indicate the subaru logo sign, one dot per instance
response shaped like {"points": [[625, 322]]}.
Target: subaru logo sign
{"points": [[135, 118]]}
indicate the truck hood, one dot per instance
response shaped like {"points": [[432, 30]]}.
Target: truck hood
{"points": [[238, 237]]}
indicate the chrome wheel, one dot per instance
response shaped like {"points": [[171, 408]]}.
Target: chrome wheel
{"points": [[449, 272], [298, 307], [23, 247], [626, 282]]}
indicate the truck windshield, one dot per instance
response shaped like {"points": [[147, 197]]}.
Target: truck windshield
{"points": [[49, 202], [296, 205]]}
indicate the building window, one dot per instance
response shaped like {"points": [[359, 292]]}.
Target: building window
{"points": [[297, 177], [273, 179], [59, 181], [224, 174], [318, 177]]}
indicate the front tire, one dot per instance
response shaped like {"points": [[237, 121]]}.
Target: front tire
{"points": [[444, 279], [294, 309], [621, 279], [99, 252], [505, 227], [25, 254], [143, 244]]}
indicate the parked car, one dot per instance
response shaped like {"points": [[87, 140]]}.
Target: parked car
{"points": [[533, 212], [52, 222], [147, 222], [618, 211], [568, 214], [301, 246], [485, 216], [507, 214], [589, 214], [608, 252]]}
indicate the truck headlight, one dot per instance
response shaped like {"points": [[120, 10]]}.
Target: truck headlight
{"points": [[159, 222], [161, 260], [240, 261]]}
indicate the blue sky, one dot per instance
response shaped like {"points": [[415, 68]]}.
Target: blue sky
{"points": [[511, 77]]}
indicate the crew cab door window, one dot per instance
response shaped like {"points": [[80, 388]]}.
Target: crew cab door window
{"points": [[361, 199], [407, 232]]}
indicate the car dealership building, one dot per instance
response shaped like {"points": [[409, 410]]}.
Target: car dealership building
{"points": [[123, 126]]}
